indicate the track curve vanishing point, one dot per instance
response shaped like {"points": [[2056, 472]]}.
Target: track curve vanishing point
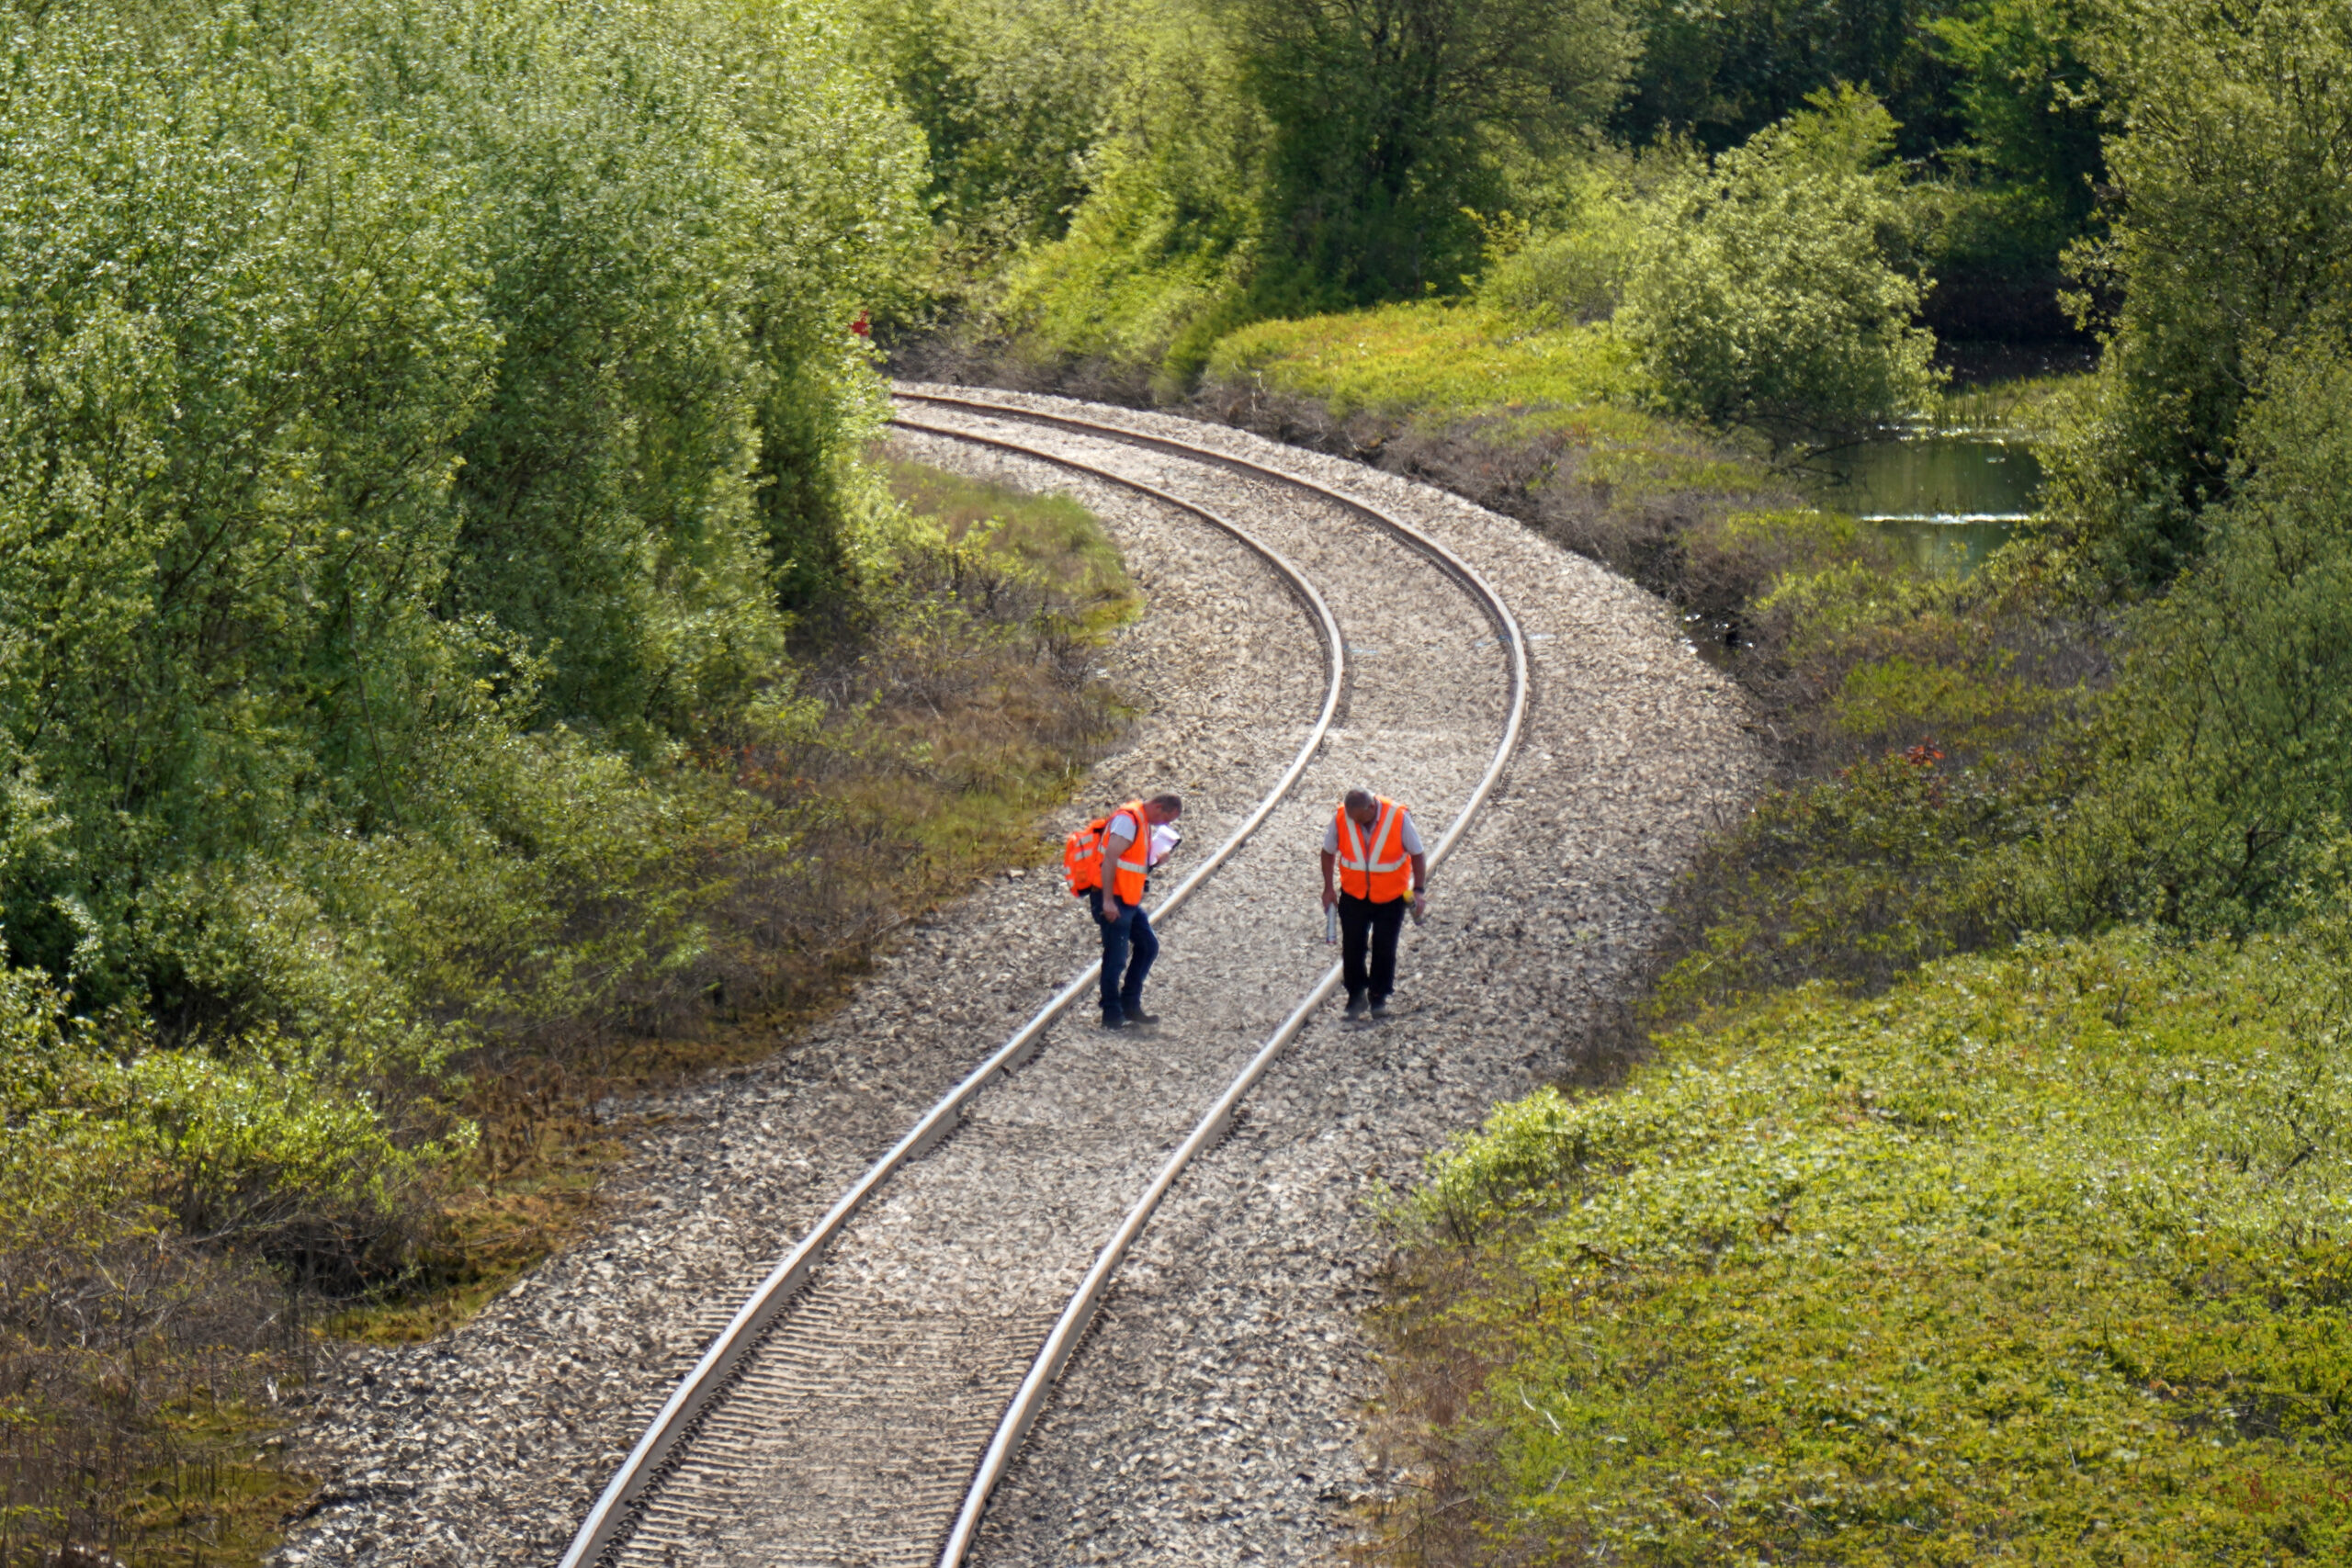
{"points": [[739, 1432]]}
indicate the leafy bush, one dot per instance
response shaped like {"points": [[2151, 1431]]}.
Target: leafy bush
{"points": [[1013, 101], [1766, 291], [1570, 273], [1385, 121], [468, 405], [2039, 1255], [1156, 263], [2233, 154], [2224, 769], [1859, 877]]}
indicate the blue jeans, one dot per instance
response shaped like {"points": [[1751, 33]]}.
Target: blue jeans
{"points": [[1128, 948]]}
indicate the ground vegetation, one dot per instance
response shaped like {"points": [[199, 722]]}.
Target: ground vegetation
{"points": [[1939, 1195], [463, 657], [2037, 1254]]}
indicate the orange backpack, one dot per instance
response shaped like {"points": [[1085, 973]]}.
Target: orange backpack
{"points": [[1082, 856]]}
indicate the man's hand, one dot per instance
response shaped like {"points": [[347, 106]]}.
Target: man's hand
{"points": [[1111, 910], [1330, 897]]}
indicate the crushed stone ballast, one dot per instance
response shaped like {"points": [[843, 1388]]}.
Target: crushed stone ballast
{"points": [[682, 1482], [1215, 1409]]}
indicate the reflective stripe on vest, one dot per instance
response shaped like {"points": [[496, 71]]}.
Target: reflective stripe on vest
{"points": [[1379, 870], [1125, 881]]}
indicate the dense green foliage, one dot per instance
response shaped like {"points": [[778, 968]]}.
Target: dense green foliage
{"points": [[2031, 106], [1766, 291], [1724, 72], [2234, 162], [2225, 772], [1011, 101], [2038, 1255], [1383, 117], [420, 421], [1232, 160]]}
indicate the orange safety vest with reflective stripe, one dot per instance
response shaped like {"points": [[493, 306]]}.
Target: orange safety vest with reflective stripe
{"points": [[1125, 881], [1375, 865]]}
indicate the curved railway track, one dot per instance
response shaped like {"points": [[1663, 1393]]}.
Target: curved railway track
{"points": [[800, 1353]]}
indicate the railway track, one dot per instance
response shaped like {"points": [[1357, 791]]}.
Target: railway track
{"points": [[863, 1402]]}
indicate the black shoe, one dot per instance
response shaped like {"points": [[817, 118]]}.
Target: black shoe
{"points": [[1137, 1015], [1115, 1021], [1379, 1011], [1355, 1007]]}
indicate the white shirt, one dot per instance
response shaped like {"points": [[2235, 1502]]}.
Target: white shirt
{"points": [[1122, 829], [1406, 835]]}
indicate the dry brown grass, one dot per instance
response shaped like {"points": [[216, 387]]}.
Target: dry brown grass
{"points": [[138, 1378]]}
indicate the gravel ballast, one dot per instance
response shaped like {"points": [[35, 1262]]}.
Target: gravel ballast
{"points": [[1213, 1416]]}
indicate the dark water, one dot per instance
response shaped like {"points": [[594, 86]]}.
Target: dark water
{"points": [[1947, 501]]}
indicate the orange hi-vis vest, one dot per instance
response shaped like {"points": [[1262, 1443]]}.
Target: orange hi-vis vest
{"points": [[1374, 865], [1082, 856]]}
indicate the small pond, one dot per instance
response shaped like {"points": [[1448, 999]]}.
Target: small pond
{"points": [[1947, 501]]}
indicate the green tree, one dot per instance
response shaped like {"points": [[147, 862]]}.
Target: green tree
{"points": [[1767, 288], [1386, 116], [1160, 256], [1013, 100], [2029, 99], [2224, 775], [414, 414], [1721, 73], [2232, 161]]}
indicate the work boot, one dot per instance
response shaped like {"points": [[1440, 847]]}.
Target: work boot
{"points": [[1356, 1007], [1115, 1021], [1380, 1010], [1137, 1015]]}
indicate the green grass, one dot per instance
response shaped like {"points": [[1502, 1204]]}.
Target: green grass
{"points": [[1439, 360], [1048, 539], [2038, 1258], [1437, 364], [2014, 406]]}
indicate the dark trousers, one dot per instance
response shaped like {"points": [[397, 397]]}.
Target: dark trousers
{"points": [[1128, 948], [1359, 918]]}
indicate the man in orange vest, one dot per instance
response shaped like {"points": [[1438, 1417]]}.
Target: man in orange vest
{"points": [[1374, 846], [1121, 862]]}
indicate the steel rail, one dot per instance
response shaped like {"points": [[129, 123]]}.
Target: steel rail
{"points": [[639, 1472], [1070, 1327]]}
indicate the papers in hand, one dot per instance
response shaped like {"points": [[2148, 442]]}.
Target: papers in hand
{"points": [[1163, 839]]}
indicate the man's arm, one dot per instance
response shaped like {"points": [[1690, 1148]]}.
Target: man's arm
{"points": [[1330, 897], [1411, 838], [1111, 907]]}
